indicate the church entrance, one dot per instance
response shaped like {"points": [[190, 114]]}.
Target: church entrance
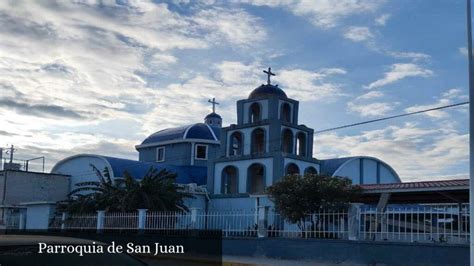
{"points": [[256, 179]]}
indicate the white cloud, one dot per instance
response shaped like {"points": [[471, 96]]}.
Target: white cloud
{"points": [[310, 85], [451, 96], [400, 71], [415, 152], [370, 95], [410, 55], [370, 109], [358, 34], [463, 51], [324, 13], [382, 20]]}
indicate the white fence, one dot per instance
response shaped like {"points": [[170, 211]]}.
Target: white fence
{"points": [[442, 224], [430, 223]]}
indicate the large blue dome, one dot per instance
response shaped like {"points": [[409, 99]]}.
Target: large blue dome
{"points": [[194, 131], [267, 90]]}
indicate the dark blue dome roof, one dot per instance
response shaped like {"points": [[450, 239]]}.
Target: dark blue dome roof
{"points": [[194, 131], [267, 90]]}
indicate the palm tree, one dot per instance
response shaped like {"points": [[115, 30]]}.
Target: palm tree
{"points": [[156, 191]]}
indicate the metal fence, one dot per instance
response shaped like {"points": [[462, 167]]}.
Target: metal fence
{"points": [[430, 223]]}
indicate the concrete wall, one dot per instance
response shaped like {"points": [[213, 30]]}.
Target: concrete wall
{"points": [[349, 252], [18, 187]]}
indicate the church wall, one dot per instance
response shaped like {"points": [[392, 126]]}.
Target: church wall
{"points": [[370, 171], [244, 203], [175, 154], [350, 170], [80, 170], [242, 167], [386, 176]]}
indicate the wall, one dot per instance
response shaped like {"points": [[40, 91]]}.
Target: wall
{"points": [[349, 252], [80, 169], [30, 186]]}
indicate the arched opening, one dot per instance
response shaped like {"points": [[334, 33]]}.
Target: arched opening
{"points": [[287, 141], [236, 144], [301, 144], [258, 141], [285, 112], [292, 169], [256, 179], [310, 171], [255, 113], [229, 181]]}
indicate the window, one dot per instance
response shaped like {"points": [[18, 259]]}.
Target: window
{"points": [[255, 113], [258, 141], [160, 154], [311, 171], [235, 144], [287, 141], [256, 179], [285, 113], [201, 152], [292, 169], [229, 180], [301, 144]]}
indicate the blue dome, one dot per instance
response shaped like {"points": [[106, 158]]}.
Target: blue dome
{"points": [[212, 115], [267, 90], [194, 131]]}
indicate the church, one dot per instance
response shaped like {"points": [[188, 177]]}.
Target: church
{"points": [[234, 165]]}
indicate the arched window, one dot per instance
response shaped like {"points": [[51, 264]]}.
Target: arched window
{"points": [[256, 179], [287, 141], [285, 112], [292, 169], [301, 144], [236, 144], [258, 141], [311, 171], [255, 113], [229, 181]]}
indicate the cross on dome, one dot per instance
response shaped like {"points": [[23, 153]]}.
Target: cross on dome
{"points": [[214, 103], [269, 73]]}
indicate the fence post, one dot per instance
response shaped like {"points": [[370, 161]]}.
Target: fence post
{"points": [[194, 212], [262, 221], [100, 221], [21, 222], [353, 217], [63, 221], [142, 220]]}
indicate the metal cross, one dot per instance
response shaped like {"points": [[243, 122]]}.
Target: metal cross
{"points": [[269, 73], [214, 103]]}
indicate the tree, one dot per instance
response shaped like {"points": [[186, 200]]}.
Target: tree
{"points": [[296, 196], [157, 191]]}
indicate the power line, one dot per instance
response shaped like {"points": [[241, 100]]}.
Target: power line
{"points": [[391, 117]]}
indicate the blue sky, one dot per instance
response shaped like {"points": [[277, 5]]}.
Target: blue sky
{"points": [[99, 76]]}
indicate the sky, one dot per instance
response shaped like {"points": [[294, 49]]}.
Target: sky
{"points": [[100, 76]]}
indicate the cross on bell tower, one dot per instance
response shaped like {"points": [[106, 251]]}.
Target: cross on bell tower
{"points": [[269, 74], [214, 103]]}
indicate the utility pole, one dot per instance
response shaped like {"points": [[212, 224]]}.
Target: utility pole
{"points": [[471, 128]]}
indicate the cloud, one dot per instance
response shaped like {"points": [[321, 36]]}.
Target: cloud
{"points": [[370, 95], [358, 34], [371, 109], [451, 96], [324, 13], [400, 71], [415, 152], [382, 20], [463, 51], [311, 85], [41, 110], [409, 55]]}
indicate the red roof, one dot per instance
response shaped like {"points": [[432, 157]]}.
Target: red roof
{"points": [[419, 185]]}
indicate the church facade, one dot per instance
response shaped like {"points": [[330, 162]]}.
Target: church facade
{"points": [[235, 164]]}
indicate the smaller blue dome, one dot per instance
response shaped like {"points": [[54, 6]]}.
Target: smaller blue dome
{"points": [[267, 90], [194, 131], [212, 115]]}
